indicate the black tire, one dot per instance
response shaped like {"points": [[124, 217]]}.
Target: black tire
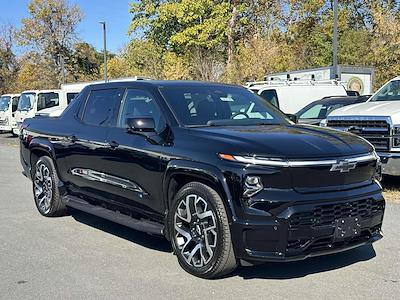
{"points": [[223, 260], [53, 205]]}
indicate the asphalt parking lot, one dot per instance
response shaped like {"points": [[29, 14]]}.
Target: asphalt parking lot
{"points": [[82, 256]]}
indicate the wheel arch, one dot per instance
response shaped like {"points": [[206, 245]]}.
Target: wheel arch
{"points": [[39, 147], [180, 172]]}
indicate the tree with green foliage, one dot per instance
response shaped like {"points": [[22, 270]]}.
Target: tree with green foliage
{"points": [[51, 29], [83, 63], [8, 60]]}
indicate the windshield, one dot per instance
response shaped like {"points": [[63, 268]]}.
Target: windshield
{"points": [[389, 92], [4, 103], [318, 110], [219, 106], [26, 101]]}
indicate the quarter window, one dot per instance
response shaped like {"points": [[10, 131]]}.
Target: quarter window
{"points": [[101, 107], [139, 103]]}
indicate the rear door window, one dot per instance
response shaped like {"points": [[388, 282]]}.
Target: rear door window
{"points": [[271, 96], [101, 107]]}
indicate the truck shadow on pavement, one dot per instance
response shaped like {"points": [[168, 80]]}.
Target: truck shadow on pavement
{"points": [[271, 270], [134, 236], [297, 269]]}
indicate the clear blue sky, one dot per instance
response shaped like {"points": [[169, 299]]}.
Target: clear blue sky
{"points": [[114, 12]]}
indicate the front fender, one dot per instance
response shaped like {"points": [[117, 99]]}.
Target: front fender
{"points": [[204, 172], [43, 145]]}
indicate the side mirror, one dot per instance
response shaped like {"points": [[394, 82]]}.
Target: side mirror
{"points": [[143, 124], [292, 118]]}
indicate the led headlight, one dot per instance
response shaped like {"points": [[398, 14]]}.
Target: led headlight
{"points": [[252, 185]]}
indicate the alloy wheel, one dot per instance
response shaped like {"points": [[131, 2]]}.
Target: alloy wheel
{"points": [[195, 230], [43, 188]]}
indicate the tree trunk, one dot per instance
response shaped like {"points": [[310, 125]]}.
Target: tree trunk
{"points": [[232, 33]]}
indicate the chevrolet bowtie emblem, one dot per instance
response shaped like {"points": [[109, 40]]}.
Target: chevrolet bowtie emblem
{"points": [[343, 166]]}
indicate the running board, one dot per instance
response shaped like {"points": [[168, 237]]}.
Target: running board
{"points": [[141, 225]]}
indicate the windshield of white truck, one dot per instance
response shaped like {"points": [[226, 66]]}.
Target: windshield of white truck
{"points": [[26, 101], [4, 103], [389, 92]]}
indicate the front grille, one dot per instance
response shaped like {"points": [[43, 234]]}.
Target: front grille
{"points": [[370, 125], [377, 132], [323, 215], [3, 122], [380, 143]]}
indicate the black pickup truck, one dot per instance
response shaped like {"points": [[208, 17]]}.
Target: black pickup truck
{"points": [[223, 175]]}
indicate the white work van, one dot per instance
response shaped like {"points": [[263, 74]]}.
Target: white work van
{"points": [[292, 96], [67, 93], [34, 101], [8, 106]]}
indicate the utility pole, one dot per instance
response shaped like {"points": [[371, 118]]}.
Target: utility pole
{"points": [[62, 68], [105, 50], [335, 40]]}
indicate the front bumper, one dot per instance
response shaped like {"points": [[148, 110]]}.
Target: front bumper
{"points": [[16, 130], [390, 163], [296, 230], [5, 127]]}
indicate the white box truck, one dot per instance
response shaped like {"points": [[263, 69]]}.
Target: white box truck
{"points": [[8, 106]]}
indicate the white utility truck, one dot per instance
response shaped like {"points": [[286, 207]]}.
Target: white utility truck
{"points": [[8, 106], [71, 90], [34, 101], [378, 121], [291, 96]]}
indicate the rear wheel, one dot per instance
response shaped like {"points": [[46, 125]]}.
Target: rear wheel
{"points": [[45, 188], [200, 232]]}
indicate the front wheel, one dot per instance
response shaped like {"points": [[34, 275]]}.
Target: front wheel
{"points": [[200, 232]]}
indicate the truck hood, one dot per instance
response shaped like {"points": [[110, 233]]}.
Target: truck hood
{"points": [[51, 112], [374, 109], [280, 141]]}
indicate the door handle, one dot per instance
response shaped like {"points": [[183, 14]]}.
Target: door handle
{"points": [[72, 138], [113, 145]]}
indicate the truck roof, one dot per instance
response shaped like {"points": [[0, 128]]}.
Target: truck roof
{"points": [[159, 83], [291, 83]]}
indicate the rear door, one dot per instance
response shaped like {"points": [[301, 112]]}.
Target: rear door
{"points": [[84, 159], [135, 169]]}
